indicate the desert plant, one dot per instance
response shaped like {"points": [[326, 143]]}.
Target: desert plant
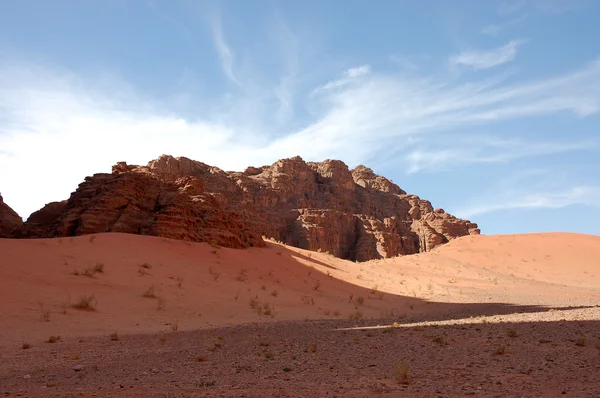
{"points": [[402, 372], [313, 347], [511, 332], [274, 293], [26, 346], [500, 350], [99, 268], [580, 342], [214, 273], [85, 303], [114, 336], [307, 300], [440, 340], [287, 369], [200, 358], [53, 339], [45, 313], [317, 285], [355, 315], [149, 293], [160, 303], [175, 326]]}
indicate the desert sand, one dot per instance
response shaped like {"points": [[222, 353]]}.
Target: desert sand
{"points": [[505, 315]]}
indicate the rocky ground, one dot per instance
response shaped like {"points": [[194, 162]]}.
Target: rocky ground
{"points": [[554, 353]]}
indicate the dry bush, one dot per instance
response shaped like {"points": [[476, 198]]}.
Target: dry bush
{"points": [[355, 315], [511, 332], [200, 358], [307, 300], [214, 273], [580, 342], [402, 372], [26, 346], [85, 303], [45, 313], [313, 347], [149, 293], [53, 339], [274, 293], [440, 340], [500, 351], [317, 285], [114, 336]]}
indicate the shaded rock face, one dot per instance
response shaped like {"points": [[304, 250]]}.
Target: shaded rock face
{"points": [[10, 222], [353, 214]]}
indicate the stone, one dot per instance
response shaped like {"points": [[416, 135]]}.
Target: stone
{"points": [[352, 214], [78, 368]]}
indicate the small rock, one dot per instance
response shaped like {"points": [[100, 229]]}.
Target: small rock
{"points": [[27, 376], [78, 368]]}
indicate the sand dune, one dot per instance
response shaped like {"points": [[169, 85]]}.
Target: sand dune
{"points": [[195, 285], [482, 315]]}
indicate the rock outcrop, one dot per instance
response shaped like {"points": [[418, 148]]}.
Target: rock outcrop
{"points": [[10, 222], [353, 214]]}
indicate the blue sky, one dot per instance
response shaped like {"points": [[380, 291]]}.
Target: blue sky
{"points": [[489, 109]]}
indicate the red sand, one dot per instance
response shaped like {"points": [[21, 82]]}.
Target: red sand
{"points": [[196, 286]]}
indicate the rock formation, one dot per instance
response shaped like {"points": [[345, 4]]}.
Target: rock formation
{"points": [[353, 214], [10, 222]]}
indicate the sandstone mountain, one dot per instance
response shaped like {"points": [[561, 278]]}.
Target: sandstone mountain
{"points": [[353, 214], [10, 222]]}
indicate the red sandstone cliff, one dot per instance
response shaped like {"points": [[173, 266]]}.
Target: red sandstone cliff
{"points": [[10, 222], [353, 214]]}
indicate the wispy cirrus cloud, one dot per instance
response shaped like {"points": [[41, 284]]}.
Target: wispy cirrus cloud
{"points": [[81, 126], [528, 199], [447, 154], [225, 53], [488, 59]]}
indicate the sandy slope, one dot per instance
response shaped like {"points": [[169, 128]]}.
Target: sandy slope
{"points": [[196, 286]]}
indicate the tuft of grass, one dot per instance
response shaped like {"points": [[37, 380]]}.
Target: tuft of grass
{"points": [[99, 268], [581, 342], [317, 285], [92, 238], [114, 336], [205, 383], [313, 347], [402, 372], [440, 340], [355, 315], [149, 293], [287, 369], [360, 300], [201, 358], [175, 326], [307, 300], [213, 243], [26, 346], [511, 332], [274, 293], [53, 339], [500, 351], [146, 266], [214, 273], [85, 303], [44, 312], [160, 303], [269, 355]]}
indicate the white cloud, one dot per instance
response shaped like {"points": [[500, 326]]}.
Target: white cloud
{"points": [[488, 59], [358, 71], [225, 53], [445, 154], [552, 199], [57, 127]]}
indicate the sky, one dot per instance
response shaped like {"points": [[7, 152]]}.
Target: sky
{"points": [[489, 109]]}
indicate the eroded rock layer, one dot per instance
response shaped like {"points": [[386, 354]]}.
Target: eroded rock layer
{"points": [[353, 214]]}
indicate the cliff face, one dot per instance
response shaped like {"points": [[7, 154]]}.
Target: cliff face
{"points": [[353, 214], [10, 222]]}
